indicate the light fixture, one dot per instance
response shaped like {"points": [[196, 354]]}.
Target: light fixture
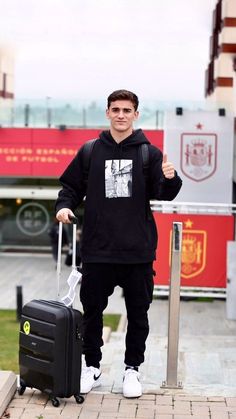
{"points": [[62, 127], [221, 112], [179, 111]]}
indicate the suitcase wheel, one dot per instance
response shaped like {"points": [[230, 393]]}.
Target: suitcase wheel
{"points": [[79, 399], [55, 402], [22, 387]]}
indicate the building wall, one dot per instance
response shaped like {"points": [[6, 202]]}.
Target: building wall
{"points": [[220, 89], [220, 73], [6, 73], [228, 8], [6, 82]]}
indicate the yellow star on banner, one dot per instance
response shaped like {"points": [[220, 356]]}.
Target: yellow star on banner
{"points": [[188, 223]]}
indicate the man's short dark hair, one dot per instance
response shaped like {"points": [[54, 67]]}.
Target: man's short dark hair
{"points": [[123, 94]]}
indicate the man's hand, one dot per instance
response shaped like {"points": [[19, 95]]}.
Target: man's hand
{"points": [[167, 168], [63, 215]]}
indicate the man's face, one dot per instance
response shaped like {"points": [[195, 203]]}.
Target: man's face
{"points": [[122, 114]]}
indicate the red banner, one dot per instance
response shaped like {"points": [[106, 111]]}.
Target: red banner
{"points": [[204, 244], [47, 152]]}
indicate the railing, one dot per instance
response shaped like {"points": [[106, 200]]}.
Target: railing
{"points": [[193, 207], [51, 112]]}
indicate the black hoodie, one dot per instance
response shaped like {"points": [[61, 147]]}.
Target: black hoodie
{"points": [[118, 224]]}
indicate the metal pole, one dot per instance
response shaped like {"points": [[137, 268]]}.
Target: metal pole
{"points": [[19, 302], [84, 123], [157, 119], [27, 114], [49, 114], [174, 306]]}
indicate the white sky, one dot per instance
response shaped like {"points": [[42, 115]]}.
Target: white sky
{"points": [[84, 49]]}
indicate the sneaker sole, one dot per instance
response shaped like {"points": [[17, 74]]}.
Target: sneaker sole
{"points": [[132, 396], [95, 384]]}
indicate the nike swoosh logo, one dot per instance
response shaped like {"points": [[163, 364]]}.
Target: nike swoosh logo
{"points": [[96, 378]]}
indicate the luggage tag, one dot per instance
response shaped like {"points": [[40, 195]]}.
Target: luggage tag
{"points": [[75, 276], [72, 281]]}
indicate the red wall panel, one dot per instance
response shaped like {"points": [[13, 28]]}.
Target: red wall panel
{"points": [[46, 152], [204, 245]]}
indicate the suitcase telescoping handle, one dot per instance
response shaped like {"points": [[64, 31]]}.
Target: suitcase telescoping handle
{"points": [[74, 221]]}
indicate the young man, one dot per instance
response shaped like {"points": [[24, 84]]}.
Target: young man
{"points": [[119, 233]]}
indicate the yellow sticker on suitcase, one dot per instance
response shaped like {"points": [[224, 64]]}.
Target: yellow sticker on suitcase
{"points": [[26, 327]]}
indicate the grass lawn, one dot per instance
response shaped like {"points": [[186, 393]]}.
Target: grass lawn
{"points": [[9, 335]]}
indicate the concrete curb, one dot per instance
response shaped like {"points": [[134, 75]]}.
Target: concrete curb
{"points": [[122, 323], [106, 333], [8, 384]]}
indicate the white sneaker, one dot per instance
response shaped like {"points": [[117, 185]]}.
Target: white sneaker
{"points": [[90, 378], [131, 384]]}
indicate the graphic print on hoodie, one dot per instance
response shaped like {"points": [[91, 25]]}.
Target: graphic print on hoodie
{"points": [[118, 178]]}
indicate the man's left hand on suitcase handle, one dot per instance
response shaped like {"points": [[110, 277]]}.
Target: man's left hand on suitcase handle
{"points": [[63, 215]]}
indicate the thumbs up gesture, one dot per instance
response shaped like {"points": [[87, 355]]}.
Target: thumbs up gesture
{"points": [[167, 168]]}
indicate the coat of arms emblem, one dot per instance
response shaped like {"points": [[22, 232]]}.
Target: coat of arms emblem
{"points": [[194, 246], [198, 155], [193, 260]]}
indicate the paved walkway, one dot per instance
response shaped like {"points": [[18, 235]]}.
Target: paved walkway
{"points": [[111, 406], [207, 357]]}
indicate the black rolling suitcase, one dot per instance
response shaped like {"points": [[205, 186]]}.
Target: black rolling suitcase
{"points": [[51, 344]]}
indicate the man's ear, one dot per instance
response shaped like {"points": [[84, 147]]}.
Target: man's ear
{"points": [[136, 115], [107, 114]]}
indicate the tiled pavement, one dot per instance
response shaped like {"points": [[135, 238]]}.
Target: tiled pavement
{"points": [[206, 392], [207, 360], [34, 405]]}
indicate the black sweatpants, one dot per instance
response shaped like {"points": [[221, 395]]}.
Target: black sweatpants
{"points": [[98, 283]]}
